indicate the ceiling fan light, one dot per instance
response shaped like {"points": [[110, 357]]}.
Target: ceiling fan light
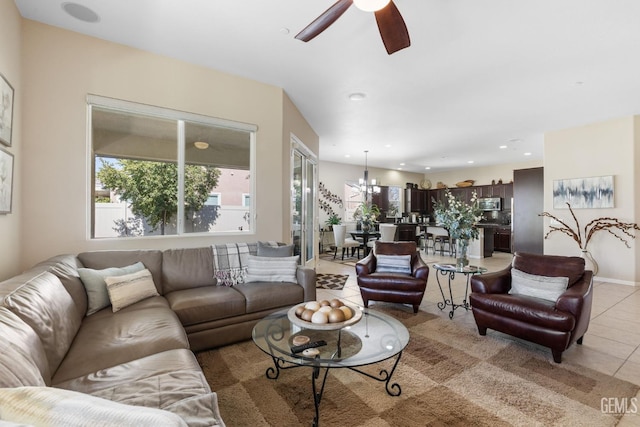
{"points": [[201, 145], [371, 5]]}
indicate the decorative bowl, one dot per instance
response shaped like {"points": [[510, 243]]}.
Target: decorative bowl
{"points": [[291, 314]]}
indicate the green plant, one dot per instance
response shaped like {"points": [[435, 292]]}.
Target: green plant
{"points": [[333, 220], [610, 225], [458, 217]]}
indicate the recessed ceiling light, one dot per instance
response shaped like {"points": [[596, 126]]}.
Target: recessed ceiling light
{"points": [[80, 12], [428, 167], [402, 164], [347, 155], [284, 31], [399, 169], [502, 147], [387, 146], [527, 154], [469, 161], [357, 96], [201, 145]]}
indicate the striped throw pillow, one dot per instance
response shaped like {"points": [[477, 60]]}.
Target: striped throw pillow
{"points": [[399, 264], [130, 288], [272, 269]]}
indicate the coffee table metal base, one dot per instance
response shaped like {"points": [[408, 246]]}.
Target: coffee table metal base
{"points": [[393, 389]]}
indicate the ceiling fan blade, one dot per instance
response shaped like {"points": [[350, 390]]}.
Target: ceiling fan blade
{"points": [[323, 21], [392, 28]]}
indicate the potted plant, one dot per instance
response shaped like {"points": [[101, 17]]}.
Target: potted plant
{"points": [[333, 219], [367, 214]]}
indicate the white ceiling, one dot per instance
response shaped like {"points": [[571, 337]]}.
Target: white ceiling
{"points": [[479, 73]]}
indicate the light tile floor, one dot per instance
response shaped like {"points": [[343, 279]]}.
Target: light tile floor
{"points": [[611, 344]]}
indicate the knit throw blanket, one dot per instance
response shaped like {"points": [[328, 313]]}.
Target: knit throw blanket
{"points": [[230, 262]]}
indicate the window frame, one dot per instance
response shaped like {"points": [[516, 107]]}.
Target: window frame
{"points": [[181, 117]]}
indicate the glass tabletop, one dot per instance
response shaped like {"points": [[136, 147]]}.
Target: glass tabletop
{"points": [[376, 337], [468, 269]]}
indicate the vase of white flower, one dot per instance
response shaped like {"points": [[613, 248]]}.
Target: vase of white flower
{"points": [[459, 218], [367, 214]]}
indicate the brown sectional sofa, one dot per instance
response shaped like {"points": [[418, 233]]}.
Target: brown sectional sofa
{"points": [[137, 361]]}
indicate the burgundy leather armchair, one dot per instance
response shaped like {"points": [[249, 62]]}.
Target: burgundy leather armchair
{"points": [[393, 287], [557, 324]]}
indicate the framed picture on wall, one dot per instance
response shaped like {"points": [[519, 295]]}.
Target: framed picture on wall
{"points": [[6, 181], [583, 193], [6, 111]]}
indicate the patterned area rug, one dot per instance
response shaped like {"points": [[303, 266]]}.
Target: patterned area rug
{"points": [[331, 281], [449, 376]]}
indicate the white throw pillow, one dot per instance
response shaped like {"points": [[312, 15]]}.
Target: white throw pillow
{"points": [[59, 407], [399, 264], [544, 287], [272, 269], [130, 288]]}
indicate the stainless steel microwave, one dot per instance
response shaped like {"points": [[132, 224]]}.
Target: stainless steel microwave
{"points": [[490, 203]]}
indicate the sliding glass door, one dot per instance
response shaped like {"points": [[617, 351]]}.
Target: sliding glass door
{"points": [[303, 204]]}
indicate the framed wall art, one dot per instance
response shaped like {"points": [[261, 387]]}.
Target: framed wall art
{"points": [[6, 111], [583, 193], [6, 181]]}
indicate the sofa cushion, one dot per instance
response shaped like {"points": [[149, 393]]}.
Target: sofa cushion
{"points": [[152, 260], [524, 310], [58, 407], [204, 304], [22, 358], [550, 265], [108, 339], [66, 268], [187, 268], [171, 380], [94, 283], [271, 269], [44, 304], [130, 289], [398, 264], [268, 295], [549, 288], [271, 249]]}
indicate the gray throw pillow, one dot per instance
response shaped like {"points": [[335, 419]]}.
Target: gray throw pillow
{"points": [[93, 281], [544, 287], [272, 269], [268, 250], [399, 264]]}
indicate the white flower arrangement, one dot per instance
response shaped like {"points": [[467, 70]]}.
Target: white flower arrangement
{"points": [[458, 217]]}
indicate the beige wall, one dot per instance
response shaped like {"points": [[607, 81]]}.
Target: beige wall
{"points": [[10, 68], [607, 148], [62, 67]]}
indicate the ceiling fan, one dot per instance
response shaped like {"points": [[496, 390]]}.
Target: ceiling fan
{"points": [[390, 23]]}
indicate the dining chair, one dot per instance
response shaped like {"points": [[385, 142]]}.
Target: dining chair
{"points": [[343, 242]]}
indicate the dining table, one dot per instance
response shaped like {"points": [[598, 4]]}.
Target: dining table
{"points": [[365, 236]]}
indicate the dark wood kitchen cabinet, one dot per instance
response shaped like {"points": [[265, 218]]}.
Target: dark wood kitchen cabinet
{"points": [[502, 240]]}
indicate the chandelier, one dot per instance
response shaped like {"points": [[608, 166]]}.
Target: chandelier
{"points": [[365, 186]]}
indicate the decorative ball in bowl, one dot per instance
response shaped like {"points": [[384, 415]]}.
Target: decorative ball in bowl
{"points": [[325, 315]]}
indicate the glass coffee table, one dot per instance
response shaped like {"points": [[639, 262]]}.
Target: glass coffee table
{"points": [[451, 270], [375, 338]]}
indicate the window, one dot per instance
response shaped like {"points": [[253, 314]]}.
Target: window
{"points": [[213, 200], [165, 172]]}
